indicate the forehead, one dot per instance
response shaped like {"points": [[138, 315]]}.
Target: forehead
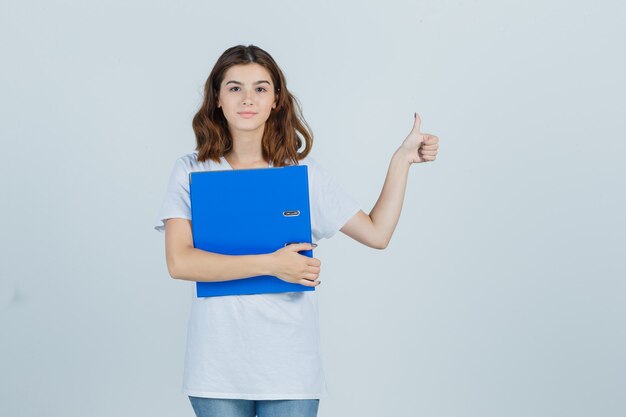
{"points": [[248, 73]]}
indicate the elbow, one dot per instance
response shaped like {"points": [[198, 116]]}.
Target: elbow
{"points": [[173, 273], [172, 269], [380, 245]]}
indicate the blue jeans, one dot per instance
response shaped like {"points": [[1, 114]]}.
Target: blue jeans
{"points": [[223, 407]]}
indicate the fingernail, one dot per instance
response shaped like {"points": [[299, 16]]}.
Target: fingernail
{"points": [[314, 245]]}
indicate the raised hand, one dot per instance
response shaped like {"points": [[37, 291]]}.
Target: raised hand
{"points": [[418, 146]]}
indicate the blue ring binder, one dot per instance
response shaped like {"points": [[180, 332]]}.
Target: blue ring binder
{"points": [[243, 212]]}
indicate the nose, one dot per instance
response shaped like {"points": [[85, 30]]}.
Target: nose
{"points": [[247, 99]]}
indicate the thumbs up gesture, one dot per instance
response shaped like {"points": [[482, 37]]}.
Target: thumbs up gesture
{"points": [[418, 146]]}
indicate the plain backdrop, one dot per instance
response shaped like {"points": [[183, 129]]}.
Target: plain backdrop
{"points": [[502, 292]]}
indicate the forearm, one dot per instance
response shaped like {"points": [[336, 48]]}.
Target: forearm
{"points": [[199, 265], [386, 211]]}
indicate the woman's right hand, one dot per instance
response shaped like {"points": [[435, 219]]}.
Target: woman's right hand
{"points": [[290, 266]]}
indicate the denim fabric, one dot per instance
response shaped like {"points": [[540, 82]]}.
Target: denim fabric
{"points": [[221, 407]]}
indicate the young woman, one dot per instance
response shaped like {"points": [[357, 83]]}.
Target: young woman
{"points": [[260, 354]]}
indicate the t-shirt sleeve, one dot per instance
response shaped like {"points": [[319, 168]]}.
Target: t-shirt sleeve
{"points": [[176, 203], [331, 205]]}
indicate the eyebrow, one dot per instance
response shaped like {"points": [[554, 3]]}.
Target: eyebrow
{"points": [[256, 83]]}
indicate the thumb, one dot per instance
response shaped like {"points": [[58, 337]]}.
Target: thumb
{"points": [[417, 123]]}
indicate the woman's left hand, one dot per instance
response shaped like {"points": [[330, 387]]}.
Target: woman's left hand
{"points": [[418, 146]]}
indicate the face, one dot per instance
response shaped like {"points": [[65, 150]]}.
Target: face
{"points": [[247, 97]]}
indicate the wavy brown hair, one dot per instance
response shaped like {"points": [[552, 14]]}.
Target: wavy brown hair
{"points": [[280, 143]]}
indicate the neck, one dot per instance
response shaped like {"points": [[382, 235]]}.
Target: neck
{"points": [[246, 148]]}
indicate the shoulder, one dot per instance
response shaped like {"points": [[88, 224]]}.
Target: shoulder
{"points": [[310, 162], [184, 165], [188, 160], [313, 168], [189, 163], [316, 169]]}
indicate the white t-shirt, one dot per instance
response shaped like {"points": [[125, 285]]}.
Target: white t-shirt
{"points": [[257, 346]]}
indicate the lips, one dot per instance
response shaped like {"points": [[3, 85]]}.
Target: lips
{"points": [[246, 114]]}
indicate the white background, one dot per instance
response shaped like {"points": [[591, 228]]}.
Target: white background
{"points": [[502, 291]]}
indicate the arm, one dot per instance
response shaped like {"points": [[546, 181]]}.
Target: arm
{"points": [[188, 263], [375, 230]]}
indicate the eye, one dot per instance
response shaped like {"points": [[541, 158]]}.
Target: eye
{"points": [[262, 88], [231, 89]]}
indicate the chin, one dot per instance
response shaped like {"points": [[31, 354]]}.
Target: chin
{"points": [[247, 128]]}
